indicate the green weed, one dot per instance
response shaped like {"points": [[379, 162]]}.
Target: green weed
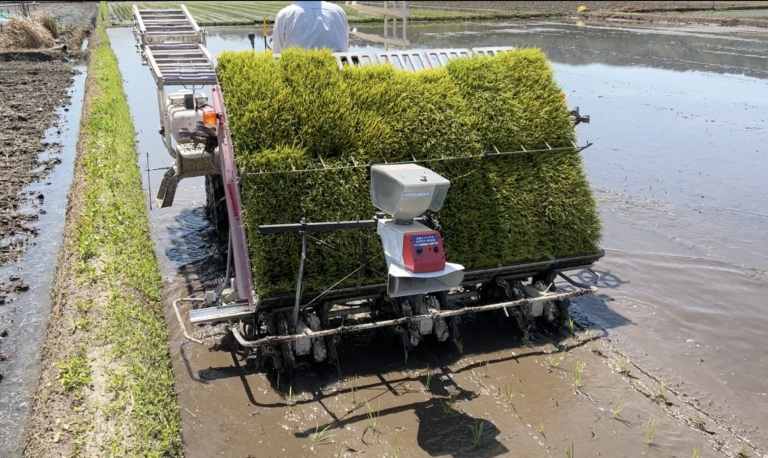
{"points": [[80, 325], [74, 373], [477, 432]]}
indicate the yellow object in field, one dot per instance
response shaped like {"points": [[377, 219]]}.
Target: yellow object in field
{"points": [[582, 9], [265, 26]]}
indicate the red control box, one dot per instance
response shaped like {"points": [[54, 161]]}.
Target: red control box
{"points": [[423, 252]]}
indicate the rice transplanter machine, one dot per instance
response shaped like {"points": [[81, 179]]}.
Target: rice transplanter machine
{"points": [[424, 295]]}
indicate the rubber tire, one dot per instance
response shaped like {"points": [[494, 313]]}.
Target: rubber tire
{"points": [[216, 205]]}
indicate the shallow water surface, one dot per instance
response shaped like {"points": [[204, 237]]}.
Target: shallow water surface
{"points": [[678, 163]]}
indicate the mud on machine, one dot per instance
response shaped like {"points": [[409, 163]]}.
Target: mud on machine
{"points": [[424, 295]]}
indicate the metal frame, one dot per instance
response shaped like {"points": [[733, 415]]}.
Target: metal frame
{"points": [[392, 14], [173, 46]]}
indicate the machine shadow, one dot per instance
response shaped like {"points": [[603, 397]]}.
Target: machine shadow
{"points": [[195, 251]]}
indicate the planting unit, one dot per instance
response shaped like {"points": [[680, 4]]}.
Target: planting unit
{"points": [[422, 295]]}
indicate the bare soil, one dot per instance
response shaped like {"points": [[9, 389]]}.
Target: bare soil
{"points": [[78, 14]]}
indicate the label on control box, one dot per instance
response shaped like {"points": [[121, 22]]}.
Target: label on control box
{"points": [[417, 194], [425, 240]]}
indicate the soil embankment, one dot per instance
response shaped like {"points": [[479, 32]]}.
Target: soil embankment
{"points": [[106, 386]]}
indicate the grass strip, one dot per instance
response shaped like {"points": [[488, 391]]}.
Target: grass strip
{"points": [[114, 367], [115, 236]]}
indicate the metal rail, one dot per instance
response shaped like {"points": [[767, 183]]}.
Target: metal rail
{"points": [[271, 340], [574, 148]]}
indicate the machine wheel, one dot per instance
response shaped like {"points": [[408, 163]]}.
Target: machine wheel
{"points": [[216, 205]]}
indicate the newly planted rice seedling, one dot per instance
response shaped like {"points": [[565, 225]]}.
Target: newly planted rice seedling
{"points": [[578, 373], [459, 346], [508, 394], [623, 365], [353, 387], [695, 453], [429, 378], [663, 391], [373, 416], [394, 446], [651, 431], [291, 400], [449, 407], [698, 421], [485, 370], [541, 426], [320, 437], [619, 407], [570, 325], [743, 450], [477, 432], [569, 451]]}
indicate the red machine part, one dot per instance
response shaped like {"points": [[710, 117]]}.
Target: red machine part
{"points": [[229, 174], [423, 252]]}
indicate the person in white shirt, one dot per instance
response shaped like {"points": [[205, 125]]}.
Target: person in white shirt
{"points": [[311, 25]]}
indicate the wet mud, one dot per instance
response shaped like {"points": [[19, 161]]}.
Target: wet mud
{"points": [[674, 334], [41, 103], [29, 94]]}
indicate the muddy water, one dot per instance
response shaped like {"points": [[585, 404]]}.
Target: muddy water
{"points": [[26, 317], [679, 125]]}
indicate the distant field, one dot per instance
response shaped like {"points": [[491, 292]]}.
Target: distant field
{"points": [[230, 13], [727, 14]]}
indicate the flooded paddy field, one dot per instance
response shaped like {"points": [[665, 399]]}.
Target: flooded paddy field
{"points": [[675, 333], [41, 104]]}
